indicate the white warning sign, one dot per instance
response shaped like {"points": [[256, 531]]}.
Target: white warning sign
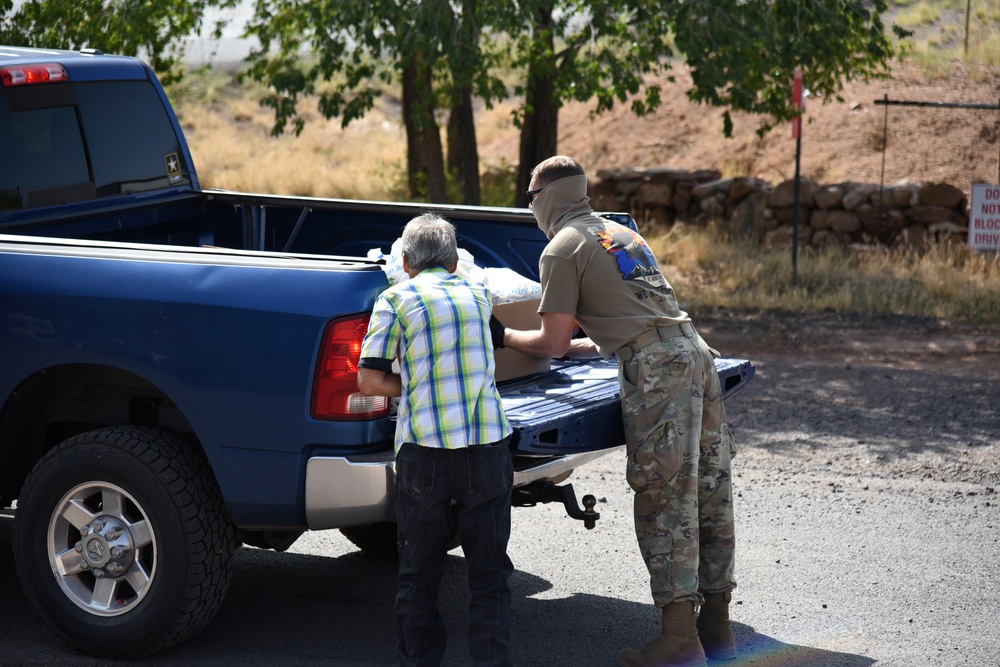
{"points": [[984, 217]]}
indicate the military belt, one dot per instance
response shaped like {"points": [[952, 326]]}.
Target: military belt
{"points": [[662, 332]]}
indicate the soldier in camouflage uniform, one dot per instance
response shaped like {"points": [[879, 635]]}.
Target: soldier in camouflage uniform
{"points": [[602, 276]]}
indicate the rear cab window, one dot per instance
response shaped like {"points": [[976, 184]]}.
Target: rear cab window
{"points": [[87, 140]]}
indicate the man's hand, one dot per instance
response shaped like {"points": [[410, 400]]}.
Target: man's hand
{"points": [[497, 331]]}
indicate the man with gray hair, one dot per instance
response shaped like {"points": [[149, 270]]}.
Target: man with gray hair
{"points": [[603, 275], [451, 444]]}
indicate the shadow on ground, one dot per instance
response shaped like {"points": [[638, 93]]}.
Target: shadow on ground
{"points": [[293, 609]]}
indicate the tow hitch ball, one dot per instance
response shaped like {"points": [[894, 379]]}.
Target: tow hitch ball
{"points": [[547, 492]]}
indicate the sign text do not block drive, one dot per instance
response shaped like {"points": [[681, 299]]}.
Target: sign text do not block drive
{"points": [[984, 217]]}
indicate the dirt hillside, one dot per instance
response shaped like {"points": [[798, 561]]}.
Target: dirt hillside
{"points": [[841, 141]]}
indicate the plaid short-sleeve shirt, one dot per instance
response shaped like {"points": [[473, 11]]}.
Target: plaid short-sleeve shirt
{"points": [[437, 324]]}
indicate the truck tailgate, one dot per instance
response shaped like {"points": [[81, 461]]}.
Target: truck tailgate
{"points": [[575, 408]]}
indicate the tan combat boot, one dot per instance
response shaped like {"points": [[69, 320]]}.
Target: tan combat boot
{"points": [[677, 645], [714, 629]]}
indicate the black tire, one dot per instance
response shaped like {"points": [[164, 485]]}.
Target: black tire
{"points": [[122, 541], [379, 539]]}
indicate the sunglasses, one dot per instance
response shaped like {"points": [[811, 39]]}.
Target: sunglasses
{"points": [[530, 194]]}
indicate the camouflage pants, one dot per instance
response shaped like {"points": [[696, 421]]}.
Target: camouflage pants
{"points": [[679, 465]]}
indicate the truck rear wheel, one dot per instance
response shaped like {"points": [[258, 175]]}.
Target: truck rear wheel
{"points": [[122, 541], [379, 539]]}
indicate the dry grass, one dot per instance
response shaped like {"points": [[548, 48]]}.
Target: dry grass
{"points": [[946, 281], [230, 138], [940, 37], [233, 148]]}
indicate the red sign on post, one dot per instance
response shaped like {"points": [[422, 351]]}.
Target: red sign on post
{"points": [[797, 103]]}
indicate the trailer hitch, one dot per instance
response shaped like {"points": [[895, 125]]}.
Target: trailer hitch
{"points": [[547, 492]]}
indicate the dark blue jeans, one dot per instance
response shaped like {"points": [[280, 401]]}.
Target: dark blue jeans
{"points": [[478, 479]]}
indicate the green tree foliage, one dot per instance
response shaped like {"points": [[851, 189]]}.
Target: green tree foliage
{"points": [[599, 50], [345, 53], [568, 50], [155, 29], [445, 55], [743, 53]]}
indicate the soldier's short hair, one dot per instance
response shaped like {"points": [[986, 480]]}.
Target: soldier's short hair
{"points": [[554, 168]]}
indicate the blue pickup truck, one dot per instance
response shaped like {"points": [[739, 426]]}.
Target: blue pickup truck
{"points": [[178, 366]]}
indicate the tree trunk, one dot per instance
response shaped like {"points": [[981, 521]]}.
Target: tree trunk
{"points": [[463, 151], [540, 128], [424, 153]]}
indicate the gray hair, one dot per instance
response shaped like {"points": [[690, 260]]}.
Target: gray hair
{"points": [[428, 241]]}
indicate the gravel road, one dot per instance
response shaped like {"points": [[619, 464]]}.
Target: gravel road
{"points": [[867, 517]]}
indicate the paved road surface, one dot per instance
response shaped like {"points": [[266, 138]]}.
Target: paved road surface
{"points": [[867, 525]]}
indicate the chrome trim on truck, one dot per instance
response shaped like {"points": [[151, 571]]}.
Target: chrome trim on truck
{"points": [[354, 491], [342, 492], [552, 468]]}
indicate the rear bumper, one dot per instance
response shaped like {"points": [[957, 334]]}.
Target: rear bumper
{"points": [[562, 419], [355, 491]]}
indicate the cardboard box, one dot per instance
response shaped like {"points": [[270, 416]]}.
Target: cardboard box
{"points": [[510, 363]]}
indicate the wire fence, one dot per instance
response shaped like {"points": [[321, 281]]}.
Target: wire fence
{"points": [[937, 105]]}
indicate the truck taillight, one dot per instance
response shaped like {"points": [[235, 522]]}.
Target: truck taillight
{"points": [[335, 392], [26, 75]]}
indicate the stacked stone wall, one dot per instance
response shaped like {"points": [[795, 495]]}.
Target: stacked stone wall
{"points": [[828, 214]]}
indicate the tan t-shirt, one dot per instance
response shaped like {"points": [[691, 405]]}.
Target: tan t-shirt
{"points": [[605, 274]]}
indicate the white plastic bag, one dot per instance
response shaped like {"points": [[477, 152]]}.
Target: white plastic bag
{"points": [[505, 285], [508, 286], [393, 266], [467, 267]]}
